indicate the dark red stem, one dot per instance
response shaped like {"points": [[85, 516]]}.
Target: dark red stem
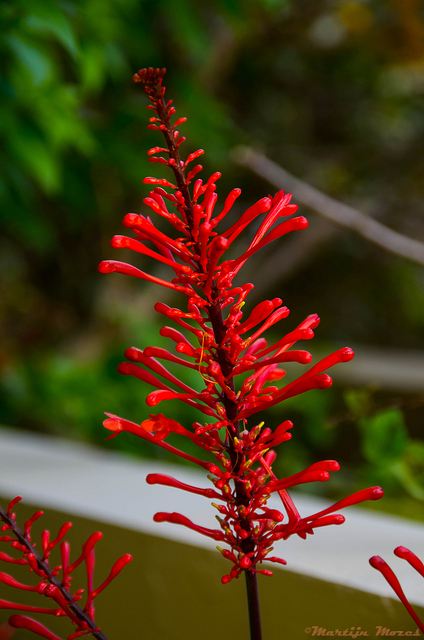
{"points": [[215, 314]]}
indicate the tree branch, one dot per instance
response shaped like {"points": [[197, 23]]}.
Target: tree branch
{"points": [[337, 212]]}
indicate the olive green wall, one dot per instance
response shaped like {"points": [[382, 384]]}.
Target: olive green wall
{"points": [[173, 591]]}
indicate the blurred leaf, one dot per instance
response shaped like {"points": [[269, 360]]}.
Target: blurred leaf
{"points": [[358, 401], [403, 473], [49, 18], [385, 437], [33, 152], [32, 57]]}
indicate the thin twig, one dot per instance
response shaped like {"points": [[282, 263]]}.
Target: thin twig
{"points": [[341, 214]]}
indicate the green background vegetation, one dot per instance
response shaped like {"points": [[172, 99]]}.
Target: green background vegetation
{"points": [[331, 90]]}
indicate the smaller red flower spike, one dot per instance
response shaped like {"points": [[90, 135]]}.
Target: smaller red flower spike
{"points": [[65, 603]]}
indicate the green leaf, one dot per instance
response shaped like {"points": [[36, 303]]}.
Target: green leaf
{"points": [[358, 401], [38, 159], [35, 61], [403, 473], [49, 18], [385, 437]]}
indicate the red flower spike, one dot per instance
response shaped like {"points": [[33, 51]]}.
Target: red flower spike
{"points": [[49, 586], [223, 352], [23, 622]]}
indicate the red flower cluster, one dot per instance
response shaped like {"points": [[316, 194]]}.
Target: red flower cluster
{"points": [[401, 552], [49, 585], [239, 370]]}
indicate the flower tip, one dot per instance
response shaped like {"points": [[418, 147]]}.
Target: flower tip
{"points": [[347, 354], [332, 465], [131, 353], [324, 381], [118, 242], [106, 266], [402, 552], [112, 424], [149, 76], [225, 579], [301, 223], [161, 516], [376, 493], [245, 562], [377, 562]]}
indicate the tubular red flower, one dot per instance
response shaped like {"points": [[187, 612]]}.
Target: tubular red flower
{"points": [[302, 357], [138, 355], [168, 481], [13, 503], [229, 201], [116, 570], [163, 354], [161, 426], [114, 266], [5, 604], [295, 224], [11, 582], [218, 246], [122, 242], [372, 493], [177, 518], [262, 206], [23, 622], [117, 424]]}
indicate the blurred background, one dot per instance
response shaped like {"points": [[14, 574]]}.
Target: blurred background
{"points": [[333, 92]]}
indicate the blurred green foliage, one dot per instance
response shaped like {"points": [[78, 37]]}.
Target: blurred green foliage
{"points": [[333, 90]]}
